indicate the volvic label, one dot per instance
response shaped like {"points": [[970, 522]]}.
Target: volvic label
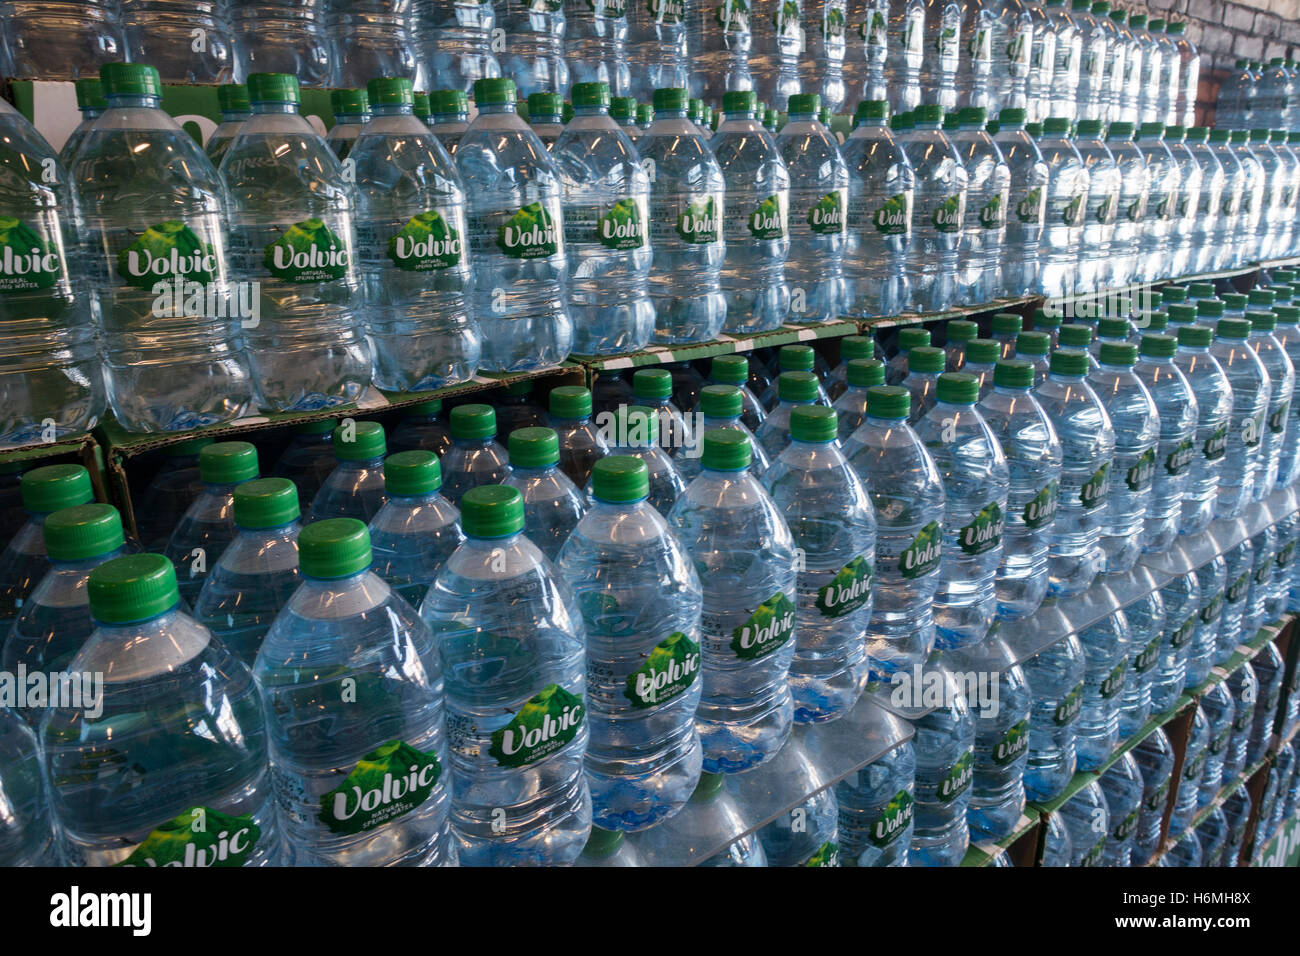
{"points": [[1018, 51], [1219, 742], [1139, 474], [1211, 610], [825, 216], [1277, 418], [1179, 458], [1124, 828], [833, 23], [1263, 573], [1155, 801], [200, 836], [1013, 743], [991, 214], [786, 19], [767, 220], [1072, 212], [1147, 657], [893, 821], [1229, 205], [1285, 555], [666, 11], [1135, 210], [1095, 489], [1184, 633], [1030, 207], [1067, 711], [545, 724], [947, 215], [768, 628], [1041, 508], [1251, 437], [668, 672], [957, 779], [1113, 682], [308, 251], [30, 261], [732, 16], [984, 533], [427, 243], [874, 30], [1236, 590], [848, 591], [167, 251], [386, 784], [610, 9], [894, 216], [828, 854], [1105, 212], [700, 220], [946, 40], [1192, 772], [620, 226], [980, 46], [1216, 445], [531, 233], [922, 556], [1093, 856]]}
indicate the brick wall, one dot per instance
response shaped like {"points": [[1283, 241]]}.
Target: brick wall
{"points": [[1224, 31]]}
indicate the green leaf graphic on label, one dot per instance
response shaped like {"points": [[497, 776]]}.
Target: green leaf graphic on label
{"points": [[387, 783], [700, 222], [946, 40], [668, 672], [1220, 740], [1192, 771], [893, 217], [1147, 657], [622, 227], [984, 533], [947, 215], [1216, 445], [200, 836], [1113, 683], [826, 216], [732, 16], [1125, 826], [1156, 801], [1184, 633], [1072, 213], [786, 18], [1095, 489], [848, 591], [893, 821], [425, 244], [991, 213], [665, 11], [1067, 711], [875, 31], [1013, 743], [1210, 612], [767, 221], [1263, 573], [958, 778], [1236, 590], [164, 252], [1135, 210], [1106, 210], [922, 555], [1093, 856], [1285, 555], [309, 251], [1180, 458], [1041, 509], [828, 854], [531, 233], [1138, 477], [770, 626], [1030, 207], [27, 261], [1277, 419], [833, 24], [544, 725]]}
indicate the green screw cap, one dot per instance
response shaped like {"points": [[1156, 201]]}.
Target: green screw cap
{"points": [[495, 90], [412, 474], [273, 88], [721, 401], [958, 388], [132, 588], [1210, 308], [1195, 336], [231, 97], [871, 109], [602, 844], [1264, 297], [228, 462], [1287, 314], [473, 421], [1158, 346], [730, 369], [925, 359], [796, 387], [1117, 353], [448, 102], [739, 101], [857, 346], [1181, 313], [362, 442], [804, 104], [1033, 343], [1075, 336], [1262, 321], [910, 338], [1007, 323], [390, 91], [669, 99], [888, 401], [814, 423], [863, 372], [347, 102], [333, 548], [982, 352], [796, 358], [266, 503], [1012, 116], [131, 79], [1156, 321], [928, 113], [588, 94], [1232, 329], [55, 487], [1234, 301], [1013, 373], [652, 383], [638, 425], [726, 449], [492, 511], [421, 108], [617, 479], [533, 447], [1056, 126], [1122, 130], [1089, 128], [570, 401], [1070, 362], [1110, 328], [623, 108], [83, 531], [962, 330]]}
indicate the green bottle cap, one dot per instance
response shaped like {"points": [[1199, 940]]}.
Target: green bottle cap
{"points": [[1117, 353], [362, 442], [492, 511], [421, 108], [910, 338], [1232, 329], [273, 88], [1070, 362], [925, 359], [390, 91], [1209, 308], [570, 401], [645, 115], [132, 588], [1173, 294], [533, 447], [622, 108], [796, 387], [739, 101], [348, 102], [975, 116], [228, 462], [888, 401], [1056, 126], [982, 352], [1260, 135], [1075, 336], [90, 95], [588, 94], [709, 786], [1287, 314], [1220, 136], [1262, 321], [1156, 321], [1234, 301], [721, 401], [448, 102], [958, 388], [863, 373], [928, 113], [1158, 346], [1112, 328], [1044, 322], [522, 387], [871, 109], [652, 383], [804, 104], [1088, 128], [232, 98], [266, 503], [130, 79], [796, 358], [638, 425], [1281, 294], [1013, 373], [1175, 132], [669, 99], [473, 421], [1033, 343], [695, 111], [730, 369], [333, 548], [1012, 116], [83, 531], [1198, 134], [412, 474], [1264, 297], [496, 89], [726, 449], [859, 346], [1035, 130], [1007, 323], [617, 479], [1195, 336], [962, 330], [1201, 290], [55, 487], [814, 423], [1122, 130], [1181, 313]]}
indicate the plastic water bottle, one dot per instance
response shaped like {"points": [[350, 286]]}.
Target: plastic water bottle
{"points": [[516, 236], [997, 795], [718, 44], [1240, 562], [581, 443], [988, 194], [1176, 451], [1126, 188], [605, 207], [91, 105], [416, 530], [907, 494], [1066, 207], [232, 98], [1237, 809], [793, 389], [656, 46], [518, 734], [1088, 818], [1251, 393], [925, 365], [1026, 203], [1214, 406], [27, 838], [351, 108], [713, 811], [1033, 453], [1035, 348], [1189, 192], [594, 50], [825, 40], [1212, 579], [449, 116], [877, 810], [909, 337], [976, 479], [454, 41], [1220, 712], [414, 267], [755, 225], [1122, 785], [774, 54], [1182, 600], [1155, 247], [1146, 617], [1068, 60], [165, 367], [307, 461], [1102, 210], [208, 525], [55, 620], [372, 39], [944, 742], [1230, 205], [1136, 422], [422, 428], [721, 406], [474, 458], [355, 488], [257, 572], [60, 39], [1209, 201], [938, 212], [1056, 680], [808, 834], [1268, 667], [553, 505], [281, 36], [293, 241], [1245, 698], [636, 433], [745, 555], [830, 517], [1189, 784], [819, 184], [1155, 760], [533, 49], [852, 406], [1057, 847], [1252, 198], [1106, 647], [1281, 375], [1288, 334]]}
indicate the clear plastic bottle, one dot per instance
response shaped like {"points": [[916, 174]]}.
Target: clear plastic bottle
{"points": [[1211, 579], [155, 210], [581, 443], [1264, 546], [988, 194], [656, 46], [415, 271], [1066, 207], [91, 105], [1136, 422], [825, 42], [745, 555], [355, 488], [513, 202], [1231, 199], [712, 811], [531, 43], [1026, 203], [1193, 768], [925, 365], [1251, 393], [449, 117], [1288, 334], [1205, 223], [454, 38], [1146, 618], [997, 795], [1130, 219], [876, 810], [176, 691], [257, 572], [171, 490], [807, 834], [1252, 199], [1106, 647], [232, 98], [1155, 248], [1214, 405], [371, 39], [1036, 349], [474, 458], [1056, 681], [793, 389], [1176, 451], [939, 209], [1096, 32], [852, 406], [944, 743], [1240, 562], [594, 43], [60, 39], [718, 44], [1245, 698], [351, 109], [775, 49], [293, 241], [553, 505], [281, 36], [1191, 178], [208, 525], [1155, 760], [416, 530], [606, 223], [909, 337], [1122, 784], [307, 461], [1281, 375], [636, 432], [1237, 809], [1220, 711], [830, 517], [720, 406], [27, 837], [1102, 211]]}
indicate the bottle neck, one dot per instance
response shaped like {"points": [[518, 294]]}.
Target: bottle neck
{"points": [[133, 101], [473, 442], [394, 109], [591, 111], [441, 119], [277, 107], [233, 116], [492, 108], [335, 583]]}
